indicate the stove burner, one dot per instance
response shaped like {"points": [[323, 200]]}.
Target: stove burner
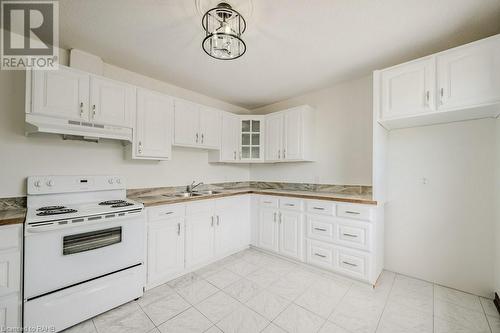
{"points": [[42, 209], [122, 204], [111, 202], [56, 212]]}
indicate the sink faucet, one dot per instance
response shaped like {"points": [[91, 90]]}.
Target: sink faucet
{"points": [[191, 187]]}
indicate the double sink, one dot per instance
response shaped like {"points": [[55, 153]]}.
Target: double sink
{"points": [[192, 194]]}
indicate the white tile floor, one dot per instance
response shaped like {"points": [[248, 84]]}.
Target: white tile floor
{"points": [[255, 292]]}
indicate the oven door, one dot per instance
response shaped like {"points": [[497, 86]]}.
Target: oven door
{"points": [[60, 258]]}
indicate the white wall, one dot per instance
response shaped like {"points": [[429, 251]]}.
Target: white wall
{"points": [[443, 231], [497, 239], [343, 129], [40, 154]]}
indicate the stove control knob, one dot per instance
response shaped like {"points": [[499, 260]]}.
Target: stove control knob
{"points": [[50, 183], [110, 180], [37, 183], [118, 181]]}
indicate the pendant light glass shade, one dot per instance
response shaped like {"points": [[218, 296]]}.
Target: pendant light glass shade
{"points": [[223, 29]]}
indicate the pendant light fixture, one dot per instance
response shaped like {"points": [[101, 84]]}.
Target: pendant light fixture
{"points": [[223, 29]]}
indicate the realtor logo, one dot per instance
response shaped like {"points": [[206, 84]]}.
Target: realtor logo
{"points": [[29, 35]]}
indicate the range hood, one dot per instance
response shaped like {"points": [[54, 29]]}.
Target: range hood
{"points": [[71, 129]]}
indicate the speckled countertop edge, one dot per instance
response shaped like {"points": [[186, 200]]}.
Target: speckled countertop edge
{"points": [[159, 199], [12, 216]]}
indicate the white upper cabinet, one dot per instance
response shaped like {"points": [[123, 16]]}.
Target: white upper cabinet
{"points": [[69, 94], [210, 126], [251, 148], [408, 89], [274, 137], [154, 124], [289, 135], [458, 84], [293, 135], [469, 75], [196, 126], [230, 137], [186, 123], [111, 102], [62, 93]]}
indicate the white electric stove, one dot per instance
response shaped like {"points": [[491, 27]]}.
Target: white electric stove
{"points": [[83, 249]]}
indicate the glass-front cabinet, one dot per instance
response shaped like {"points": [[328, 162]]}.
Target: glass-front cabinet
{"points": [[251, 138]]}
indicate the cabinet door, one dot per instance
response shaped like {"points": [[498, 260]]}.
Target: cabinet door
{"points": [[155, 113], [111, 102], [268, 238], [10, 272], [290, 240], [165, 249], [63, 93], [274, 137], [408, 89], [232, 225], [199, 239], [10, 314], [230, 136], [293, 135], [186, 123], [210, 123], [469, 76]]}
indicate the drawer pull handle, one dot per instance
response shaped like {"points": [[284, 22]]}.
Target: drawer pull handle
{"points": [[351, 235], [290, 205], [351, 212], [268, 202], [320, 229], [350, 264], [320, 255], [168, 213], [318, 208]]}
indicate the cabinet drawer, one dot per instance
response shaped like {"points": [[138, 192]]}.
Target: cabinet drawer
{"points": [[168, 211], [352, 263], [355, 235], [320, 228], [321, 207], [320, 254], [10, 272], [269, 202], [291, 204], [354, 212], [10, 237]]}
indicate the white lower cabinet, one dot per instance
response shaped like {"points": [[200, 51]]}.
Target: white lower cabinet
{"points": [[280, 230], [344, 238], [10, 277], [165, 249], [184, 237], [199, 238]]}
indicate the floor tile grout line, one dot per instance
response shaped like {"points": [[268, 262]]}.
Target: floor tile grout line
{"points": [[486, 315], [385, 303]]}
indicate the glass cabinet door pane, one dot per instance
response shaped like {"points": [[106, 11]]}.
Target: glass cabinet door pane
{"points": [[255, 139], [255, 126], [245, 126], [245, 152], [255, 152], [245, 139]]}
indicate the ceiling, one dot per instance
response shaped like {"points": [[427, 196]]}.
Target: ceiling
{"points": [[294, 46]]}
